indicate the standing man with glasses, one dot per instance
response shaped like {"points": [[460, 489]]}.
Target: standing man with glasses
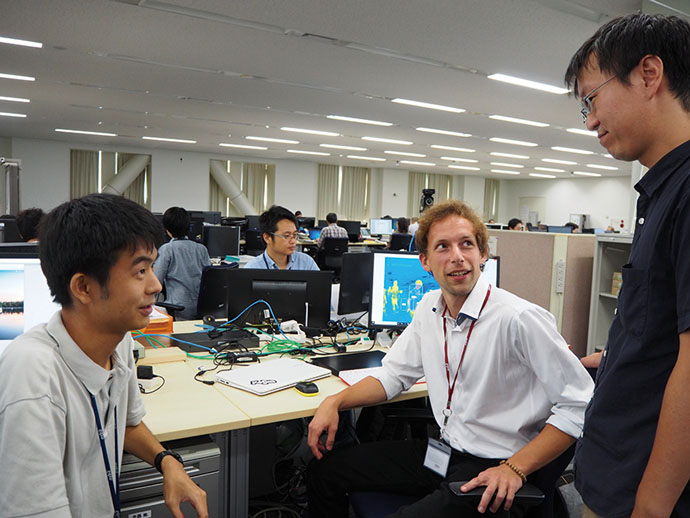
{"points": [[633, 77], [279, 231]]}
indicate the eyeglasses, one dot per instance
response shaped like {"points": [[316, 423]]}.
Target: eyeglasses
{"points": [[286, 237], [587, 100]]}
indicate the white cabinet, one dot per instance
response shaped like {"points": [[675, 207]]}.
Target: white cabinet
{"points": [[610, 255]]}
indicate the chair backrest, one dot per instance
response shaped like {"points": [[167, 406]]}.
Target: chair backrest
{"points": [[254, 242], [400, 241], [213, 291], [335, 246]]}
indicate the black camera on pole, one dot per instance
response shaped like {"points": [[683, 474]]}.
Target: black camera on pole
{"points": [[427, 199]]}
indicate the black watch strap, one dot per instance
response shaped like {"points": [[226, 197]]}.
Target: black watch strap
{"points": [[159, 458]]}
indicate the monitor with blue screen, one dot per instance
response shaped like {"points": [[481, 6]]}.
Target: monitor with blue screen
{"points": [[314, 233]]}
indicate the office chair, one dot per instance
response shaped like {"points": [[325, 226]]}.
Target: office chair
{"points": [[400, 241], [331, 255], [213, 291], [254, 242], [171, 308]]}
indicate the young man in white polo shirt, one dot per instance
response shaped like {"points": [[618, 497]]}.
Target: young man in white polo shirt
{"points": [[502, 383], [69, 402]]}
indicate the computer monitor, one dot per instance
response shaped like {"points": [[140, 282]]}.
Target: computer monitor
{"points": [[196, 229], [221, 240], [352, 228], [302, 295], [25, 298], [9, 231], [212, 217], [492, 270], [561, 230], [306, 222], [21, 250], [381, 226], [314, 233], [252, 222], [323, 223], [355, 282]]}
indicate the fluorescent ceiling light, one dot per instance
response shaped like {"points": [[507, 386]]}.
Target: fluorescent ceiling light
{"points": [[607, 167], [311, 132], [513, 142], [18, 78], [164, 139], [465, 167], [431, 106], [451, 148], [586, 173], [538, 175], [269, 139], [389, 141], [518, 121], [549, 169], [557, 161], [528, 84], [350, 148], [301, 152], [457, 159], [506, 164], [360, 121], [9, 114], [83, 132], [572, 150], [412, 162], [358, 157], [607, 155], [444, 132], [405, 153], [509, 155], [15, 99], [242, 146], [23, 43], [504, 171], [580, 131]]}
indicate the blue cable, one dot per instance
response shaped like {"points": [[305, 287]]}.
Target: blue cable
{"points": [[254, 304]]}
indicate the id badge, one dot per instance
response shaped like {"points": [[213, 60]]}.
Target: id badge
{"points": [[437, 457]]}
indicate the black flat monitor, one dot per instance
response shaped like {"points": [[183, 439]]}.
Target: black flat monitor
{"points": [[306, 222], [352, 228], [25, 298], [301, 295], [9, 231], [355, 282], [196, 229], [221, 240], [381, 226], [19, 250], [212, 217], [252, 222], [322, 223], [559, 229]]}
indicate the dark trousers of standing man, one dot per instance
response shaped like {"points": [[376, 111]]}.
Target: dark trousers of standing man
{"points": [[394, 467]]}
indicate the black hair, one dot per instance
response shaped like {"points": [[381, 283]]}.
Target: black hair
{"points": [[28, 221], [513, 222], [619, 45], [571, 224], [331, 218], [268, 221], [403, 225], [176, 221], [87, 235]]}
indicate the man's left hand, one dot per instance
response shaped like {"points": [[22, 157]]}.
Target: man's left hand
{"points": [[500, 481], [178, 488]]}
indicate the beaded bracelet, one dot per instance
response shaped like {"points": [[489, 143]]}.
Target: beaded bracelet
{"points": [[517, 470]]}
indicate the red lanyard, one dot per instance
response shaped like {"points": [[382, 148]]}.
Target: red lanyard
{"points": [[451, 387]]}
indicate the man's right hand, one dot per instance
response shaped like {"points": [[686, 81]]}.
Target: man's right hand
{"points": [[324, 421]]}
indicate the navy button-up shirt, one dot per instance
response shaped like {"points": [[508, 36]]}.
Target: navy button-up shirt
{"points": [[642, 346]]}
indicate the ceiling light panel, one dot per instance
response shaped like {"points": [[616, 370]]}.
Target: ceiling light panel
{"points": [[606, 167], [505, 171], [506, 164], [389, 141], [269, 139], [242, 146], [430, 106], [14, 99], [359, 121], [84, 132], [359, 157], [539, 175], [572, 150], [21, 43], [502, 140], [458, 159], [509, 155], [303, 152], [348, 148], [586, 173], [311, 131], [166, 139], [464, 167], [579, 131], [17, 77], [528, 84], [519, 121], [558, 161], [414, 162], [11, 114], [451, 148], [405, 153], [444, 132]]}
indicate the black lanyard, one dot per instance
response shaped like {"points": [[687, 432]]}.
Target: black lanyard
{"points": [[113, 481], [451, 387]]}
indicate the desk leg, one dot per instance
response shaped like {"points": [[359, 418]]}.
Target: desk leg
{"points": [[234, 446]]}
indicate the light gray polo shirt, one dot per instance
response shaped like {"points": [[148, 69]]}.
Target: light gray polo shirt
{"points": [[51, 463]]}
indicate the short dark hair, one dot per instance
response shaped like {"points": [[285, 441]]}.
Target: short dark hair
{"points": [[28, 221], [441, 211], [403, 225], [331, 218], [571, 224], [176, 221], [620, 44], [268, 221], [87, 235], [514, 222]]}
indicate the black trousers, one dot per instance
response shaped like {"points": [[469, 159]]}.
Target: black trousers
{"points": [[394, 467]]}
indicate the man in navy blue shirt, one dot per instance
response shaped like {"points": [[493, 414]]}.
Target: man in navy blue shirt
{"points": [[633, 79]]}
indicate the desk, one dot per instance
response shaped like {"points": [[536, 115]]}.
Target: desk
{"points": [[186, 408]]}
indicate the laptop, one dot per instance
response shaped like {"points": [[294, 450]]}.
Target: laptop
{"points": [[271, 376], [351, 361], [314, 233]]}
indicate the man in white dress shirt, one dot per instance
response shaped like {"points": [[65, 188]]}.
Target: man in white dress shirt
{"points": [[505, 390]]}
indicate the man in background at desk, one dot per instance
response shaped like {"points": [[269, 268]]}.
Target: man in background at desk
{"points": [[517, 394], [69, 402], [279, 231], [332, 230], [633, 79], [180, 263]]}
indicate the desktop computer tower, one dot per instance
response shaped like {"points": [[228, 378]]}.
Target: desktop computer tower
{"points": [[141, 485]]}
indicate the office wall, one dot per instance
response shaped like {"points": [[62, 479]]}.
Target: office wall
{"points": [[607, 200], [394, 192], [296, 186]]}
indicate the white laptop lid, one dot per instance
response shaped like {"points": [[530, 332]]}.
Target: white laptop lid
{"points": [[271, 376]]}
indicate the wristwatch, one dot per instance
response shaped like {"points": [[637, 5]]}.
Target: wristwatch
{"points": [[159, 458]]}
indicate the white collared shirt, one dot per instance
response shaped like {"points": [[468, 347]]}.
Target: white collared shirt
{"points": [[518, 373]]}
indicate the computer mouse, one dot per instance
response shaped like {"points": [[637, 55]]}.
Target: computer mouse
{"points": [[307, 388]]}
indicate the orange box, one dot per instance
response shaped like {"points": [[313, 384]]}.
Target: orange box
{"points": [[160, 324]]}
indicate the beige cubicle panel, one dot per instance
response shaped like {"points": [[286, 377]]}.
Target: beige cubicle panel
{"points": [[553, 271]]}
